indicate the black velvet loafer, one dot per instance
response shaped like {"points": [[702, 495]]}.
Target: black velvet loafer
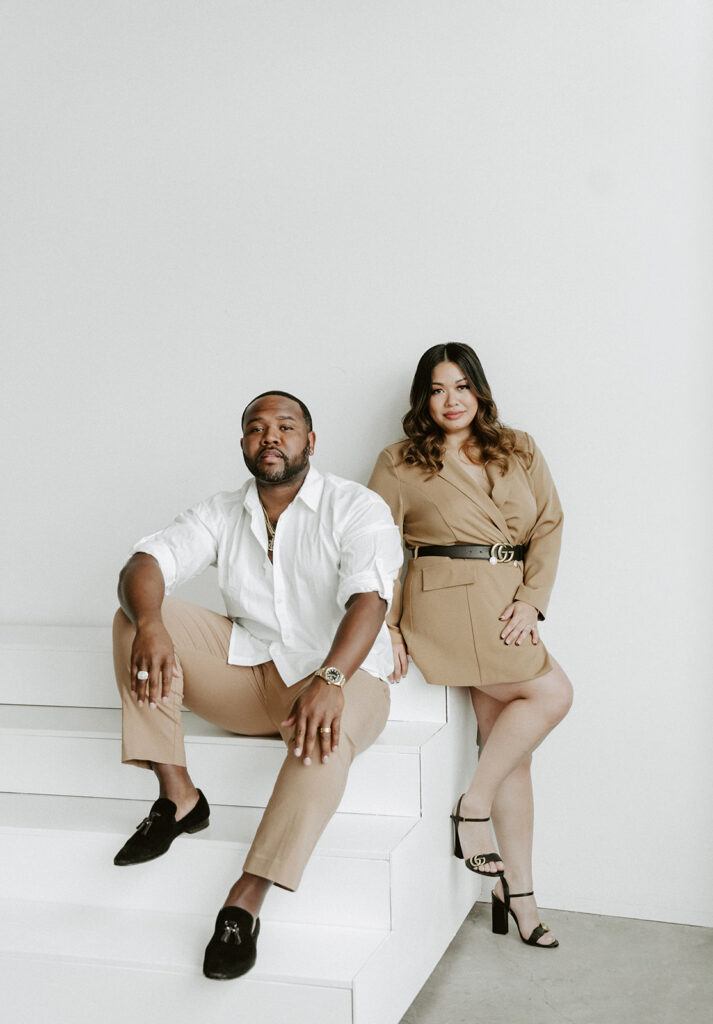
{"points": [[157, 831], [233, 949]]}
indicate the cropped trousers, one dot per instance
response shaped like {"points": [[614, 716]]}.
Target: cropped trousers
{"points": [[253, 701]]}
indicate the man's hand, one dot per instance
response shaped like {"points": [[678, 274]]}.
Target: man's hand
{"points": [[152, 652], [318, 708]]}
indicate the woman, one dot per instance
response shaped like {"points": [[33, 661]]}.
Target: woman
{"points": [[476, 504]]}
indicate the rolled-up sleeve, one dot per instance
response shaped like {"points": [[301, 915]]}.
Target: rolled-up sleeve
{"points": [[370, 551], [185, 548]]}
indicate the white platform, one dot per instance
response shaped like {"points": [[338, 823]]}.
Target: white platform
{"points": [[129, 941]]}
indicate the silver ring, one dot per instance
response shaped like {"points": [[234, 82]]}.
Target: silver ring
{"points": [[142, 675]]}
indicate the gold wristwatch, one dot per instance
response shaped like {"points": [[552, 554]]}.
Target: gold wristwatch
{"points": [[331, 675]]}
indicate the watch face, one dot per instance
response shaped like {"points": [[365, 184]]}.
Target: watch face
{"points": [[333, 675]]}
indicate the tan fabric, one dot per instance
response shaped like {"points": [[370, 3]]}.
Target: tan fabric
{"points": [[449, 610], [250, 701]]}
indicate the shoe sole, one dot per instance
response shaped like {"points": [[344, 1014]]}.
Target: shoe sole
{"points": [[229, 976]]}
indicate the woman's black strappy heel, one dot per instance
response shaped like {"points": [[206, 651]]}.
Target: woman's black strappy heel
{"points": [[501, 909], [472, 863]]}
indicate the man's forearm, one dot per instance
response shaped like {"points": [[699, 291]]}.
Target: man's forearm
{"points": [[141, 589], [356, 632]]}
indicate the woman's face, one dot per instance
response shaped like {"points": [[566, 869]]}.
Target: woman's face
{"points": [[452, 404]]}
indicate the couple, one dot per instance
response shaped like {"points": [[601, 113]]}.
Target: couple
{"points": [[308, 565]]}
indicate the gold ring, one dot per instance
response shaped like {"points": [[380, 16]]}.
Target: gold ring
{"points": [[325, 730]]}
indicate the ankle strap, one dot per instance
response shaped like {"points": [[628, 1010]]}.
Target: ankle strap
{"points": [[457, 817], [515, 895]]}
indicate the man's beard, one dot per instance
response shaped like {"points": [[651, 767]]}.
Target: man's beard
{"points": [[276, 474]]}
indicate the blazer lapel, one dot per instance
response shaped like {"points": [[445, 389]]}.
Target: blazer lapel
{"points": [[457, 475]]}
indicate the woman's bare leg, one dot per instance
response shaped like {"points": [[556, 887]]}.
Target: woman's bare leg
{"points": [[529, 711], [513, 819]]}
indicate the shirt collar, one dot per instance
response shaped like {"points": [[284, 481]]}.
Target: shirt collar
{"points": [[310, 492]]}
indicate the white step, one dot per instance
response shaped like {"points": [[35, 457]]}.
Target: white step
{"points": [[61, 849], [71, 666], [62, 963], [48, 750], [95, 940]]}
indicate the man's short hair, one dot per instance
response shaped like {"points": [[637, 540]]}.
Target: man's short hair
{"points": [[285, 394]]}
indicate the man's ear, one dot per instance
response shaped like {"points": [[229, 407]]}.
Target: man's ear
{"points": [[311, 437]]}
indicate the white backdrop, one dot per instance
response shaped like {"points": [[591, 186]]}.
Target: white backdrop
{"points": [[202, 199]]}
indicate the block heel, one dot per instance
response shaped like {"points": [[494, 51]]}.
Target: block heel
{"points": [[500, 915], [501, 910]]}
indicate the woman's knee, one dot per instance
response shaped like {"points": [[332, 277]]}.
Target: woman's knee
{"points": [[525, 765], [559, 696]]}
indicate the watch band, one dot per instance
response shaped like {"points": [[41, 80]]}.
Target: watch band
{"points": [[331, 675]]}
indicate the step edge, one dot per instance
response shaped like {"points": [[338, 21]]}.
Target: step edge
{"points": [[379, 935]]}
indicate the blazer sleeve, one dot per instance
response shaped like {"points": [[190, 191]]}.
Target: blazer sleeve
{"points": [[385, 481], [545, 539]]}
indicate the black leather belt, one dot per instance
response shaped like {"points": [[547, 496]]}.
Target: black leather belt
{"points": [[493, 552]]}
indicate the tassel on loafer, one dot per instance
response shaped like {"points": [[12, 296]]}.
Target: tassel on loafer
{"points": [[232, 950], [501, 910], [159, 828], [477, 861]]}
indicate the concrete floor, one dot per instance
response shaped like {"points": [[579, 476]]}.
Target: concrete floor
{"points": [[607, 970]]}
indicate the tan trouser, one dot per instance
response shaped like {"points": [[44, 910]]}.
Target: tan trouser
{"points": [[250, 701]]}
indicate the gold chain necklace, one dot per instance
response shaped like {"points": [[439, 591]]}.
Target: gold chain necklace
{"points": [[270, 527]]}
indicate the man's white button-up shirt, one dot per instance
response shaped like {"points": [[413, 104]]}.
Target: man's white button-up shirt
{"points": [[335, 539]]}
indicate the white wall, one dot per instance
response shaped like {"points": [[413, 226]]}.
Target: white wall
{"points": [[205, 199]]}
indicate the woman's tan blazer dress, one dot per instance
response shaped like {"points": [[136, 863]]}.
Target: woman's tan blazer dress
{"points": [[448, 612]]}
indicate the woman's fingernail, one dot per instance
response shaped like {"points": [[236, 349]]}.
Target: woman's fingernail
{"points": [[325, 759], [151, 705], [298, 751], [308, 760], [141, 703], [165, 700]]}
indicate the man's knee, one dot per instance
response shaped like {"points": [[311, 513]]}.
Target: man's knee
{"points": [[121, 624], [123, 631]]}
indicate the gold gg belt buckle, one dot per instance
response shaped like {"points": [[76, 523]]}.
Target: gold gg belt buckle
{"points": [[501, 553]]}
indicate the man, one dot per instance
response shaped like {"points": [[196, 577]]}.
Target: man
{"points": [[306, 564]]}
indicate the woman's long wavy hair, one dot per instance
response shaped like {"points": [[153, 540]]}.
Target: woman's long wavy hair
{"points": [[491, 441]]}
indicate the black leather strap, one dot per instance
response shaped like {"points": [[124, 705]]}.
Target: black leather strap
{"points": [[473, 551], [537, 934]]}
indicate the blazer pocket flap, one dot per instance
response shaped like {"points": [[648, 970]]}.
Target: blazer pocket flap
{"points": [[448, 572]]}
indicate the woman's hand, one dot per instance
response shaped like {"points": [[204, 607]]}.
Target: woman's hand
{"points": [[523, 620], [400, 661], [317, 716]]}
